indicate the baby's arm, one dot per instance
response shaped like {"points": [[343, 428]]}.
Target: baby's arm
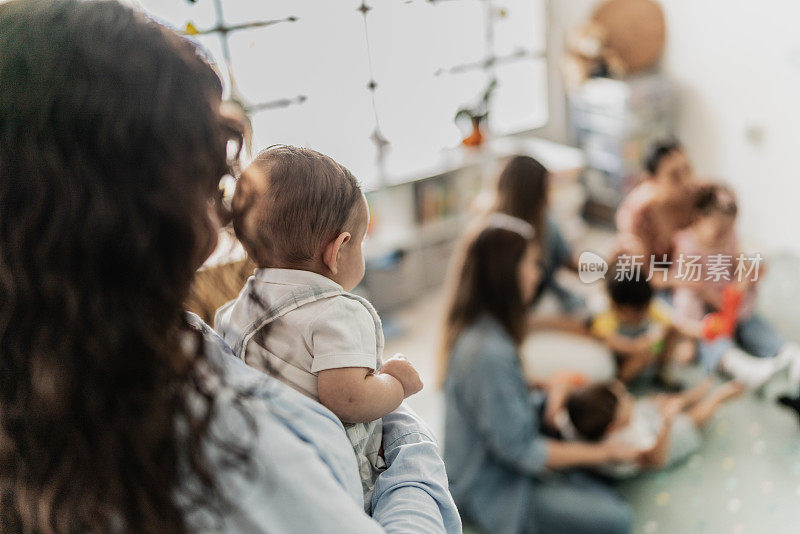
{"points": [[357, 395], [635, 354], [657, 456], [568, 325], [604, 328], [631, 347], [688, 328], [556, 399]]}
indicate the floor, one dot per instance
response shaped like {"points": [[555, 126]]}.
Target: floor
{"points": [[745, 479]]}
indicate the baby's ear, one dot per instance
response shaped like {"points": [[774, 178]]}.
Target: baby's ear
{"points": [[330, 256]]}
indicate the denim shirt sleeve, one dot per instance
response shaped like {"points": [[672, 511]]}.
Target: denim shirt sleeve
{"points": [[506, 413], [305, 476], [559, 250], [412, 495]]}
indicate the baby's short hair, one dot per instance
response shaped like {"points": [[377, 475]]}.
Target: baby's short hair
{"points": [[308, 200], [635, 292], [717, 198], [592, 409]]}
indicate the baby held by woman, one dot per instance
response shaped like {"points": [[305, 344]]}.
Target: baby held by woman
{"points": [[302, 219]]}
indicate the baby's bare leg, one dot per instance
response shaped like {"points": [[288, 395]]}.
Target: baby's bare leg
{"points": [[686, 398], [701, 412], [681, 350], [695, 394], [631, 366], [665, 356]]}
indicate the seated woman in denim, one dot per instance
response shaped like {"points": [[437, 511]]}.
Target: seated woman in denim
{"points": [[522, 191], [505, 473]]}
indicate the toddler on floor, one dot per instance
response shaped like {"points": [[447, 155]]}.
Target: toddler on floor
{"points": [[639, 331], [664, 427], [302, 219], [710, 241]]}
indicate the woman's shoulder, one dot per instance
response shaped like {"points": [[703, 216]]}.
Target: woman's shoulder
{"points": [[484, 342], [310, 420], [291, 449], [280, 425], [241, 378], [685, 241], [636, 203]]}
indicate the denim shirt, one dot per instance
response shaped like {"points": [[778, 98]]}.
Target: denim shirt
{"points": [[494, 449], [557, 251], [304, 476]]}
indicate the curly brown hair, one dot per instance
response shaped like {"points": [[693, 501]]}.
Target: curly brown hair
{"points": [[111, 147]]}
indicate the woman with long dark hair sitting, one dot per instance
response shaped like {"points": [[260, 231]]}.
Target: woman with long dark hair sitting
{"points": [[118, 412], [523, 191], [505, 473]]}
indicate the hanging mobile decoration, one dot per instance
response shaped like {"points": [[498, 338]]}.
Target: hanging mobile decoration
{"points": [[276, 104], [222, 28], [236, 97], [487, 63], [477, 115], [378, 139]]}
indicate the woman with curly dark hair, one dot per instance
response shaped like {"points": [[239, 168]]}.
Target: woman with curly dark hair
{"points": [[119, 412]]}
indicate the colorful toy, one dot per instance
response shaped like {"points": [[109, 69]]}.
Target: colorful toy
{"points": [[659, 333], [477, 116], [570, 378], [723, 323]]}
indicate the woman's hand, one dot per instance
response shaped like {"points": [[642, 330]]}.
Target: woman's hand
{"points": [[671, 407], [557, 390]]}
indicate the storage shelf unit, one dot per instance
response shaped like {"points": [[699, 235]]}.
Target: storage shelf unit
{"points": [[614, 122], [415, 221]]}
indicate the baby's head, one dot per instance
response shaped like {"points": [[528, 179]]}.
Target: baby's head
{"points": [[599, 409], [715, 211], [631, 298], [295, 208]]}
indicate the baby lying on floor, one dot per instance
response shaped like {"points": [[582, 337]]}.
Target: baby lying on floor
{"points": [[664, 427]]}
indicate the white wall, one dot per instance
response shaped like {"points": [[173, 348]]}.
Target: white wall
{"points": [[736, 64]]}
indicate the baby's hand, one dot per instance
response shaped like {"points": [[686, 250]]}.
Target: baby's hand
{"points": [[671, 408], [643, 345], [622, 452], [402, 369]]}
